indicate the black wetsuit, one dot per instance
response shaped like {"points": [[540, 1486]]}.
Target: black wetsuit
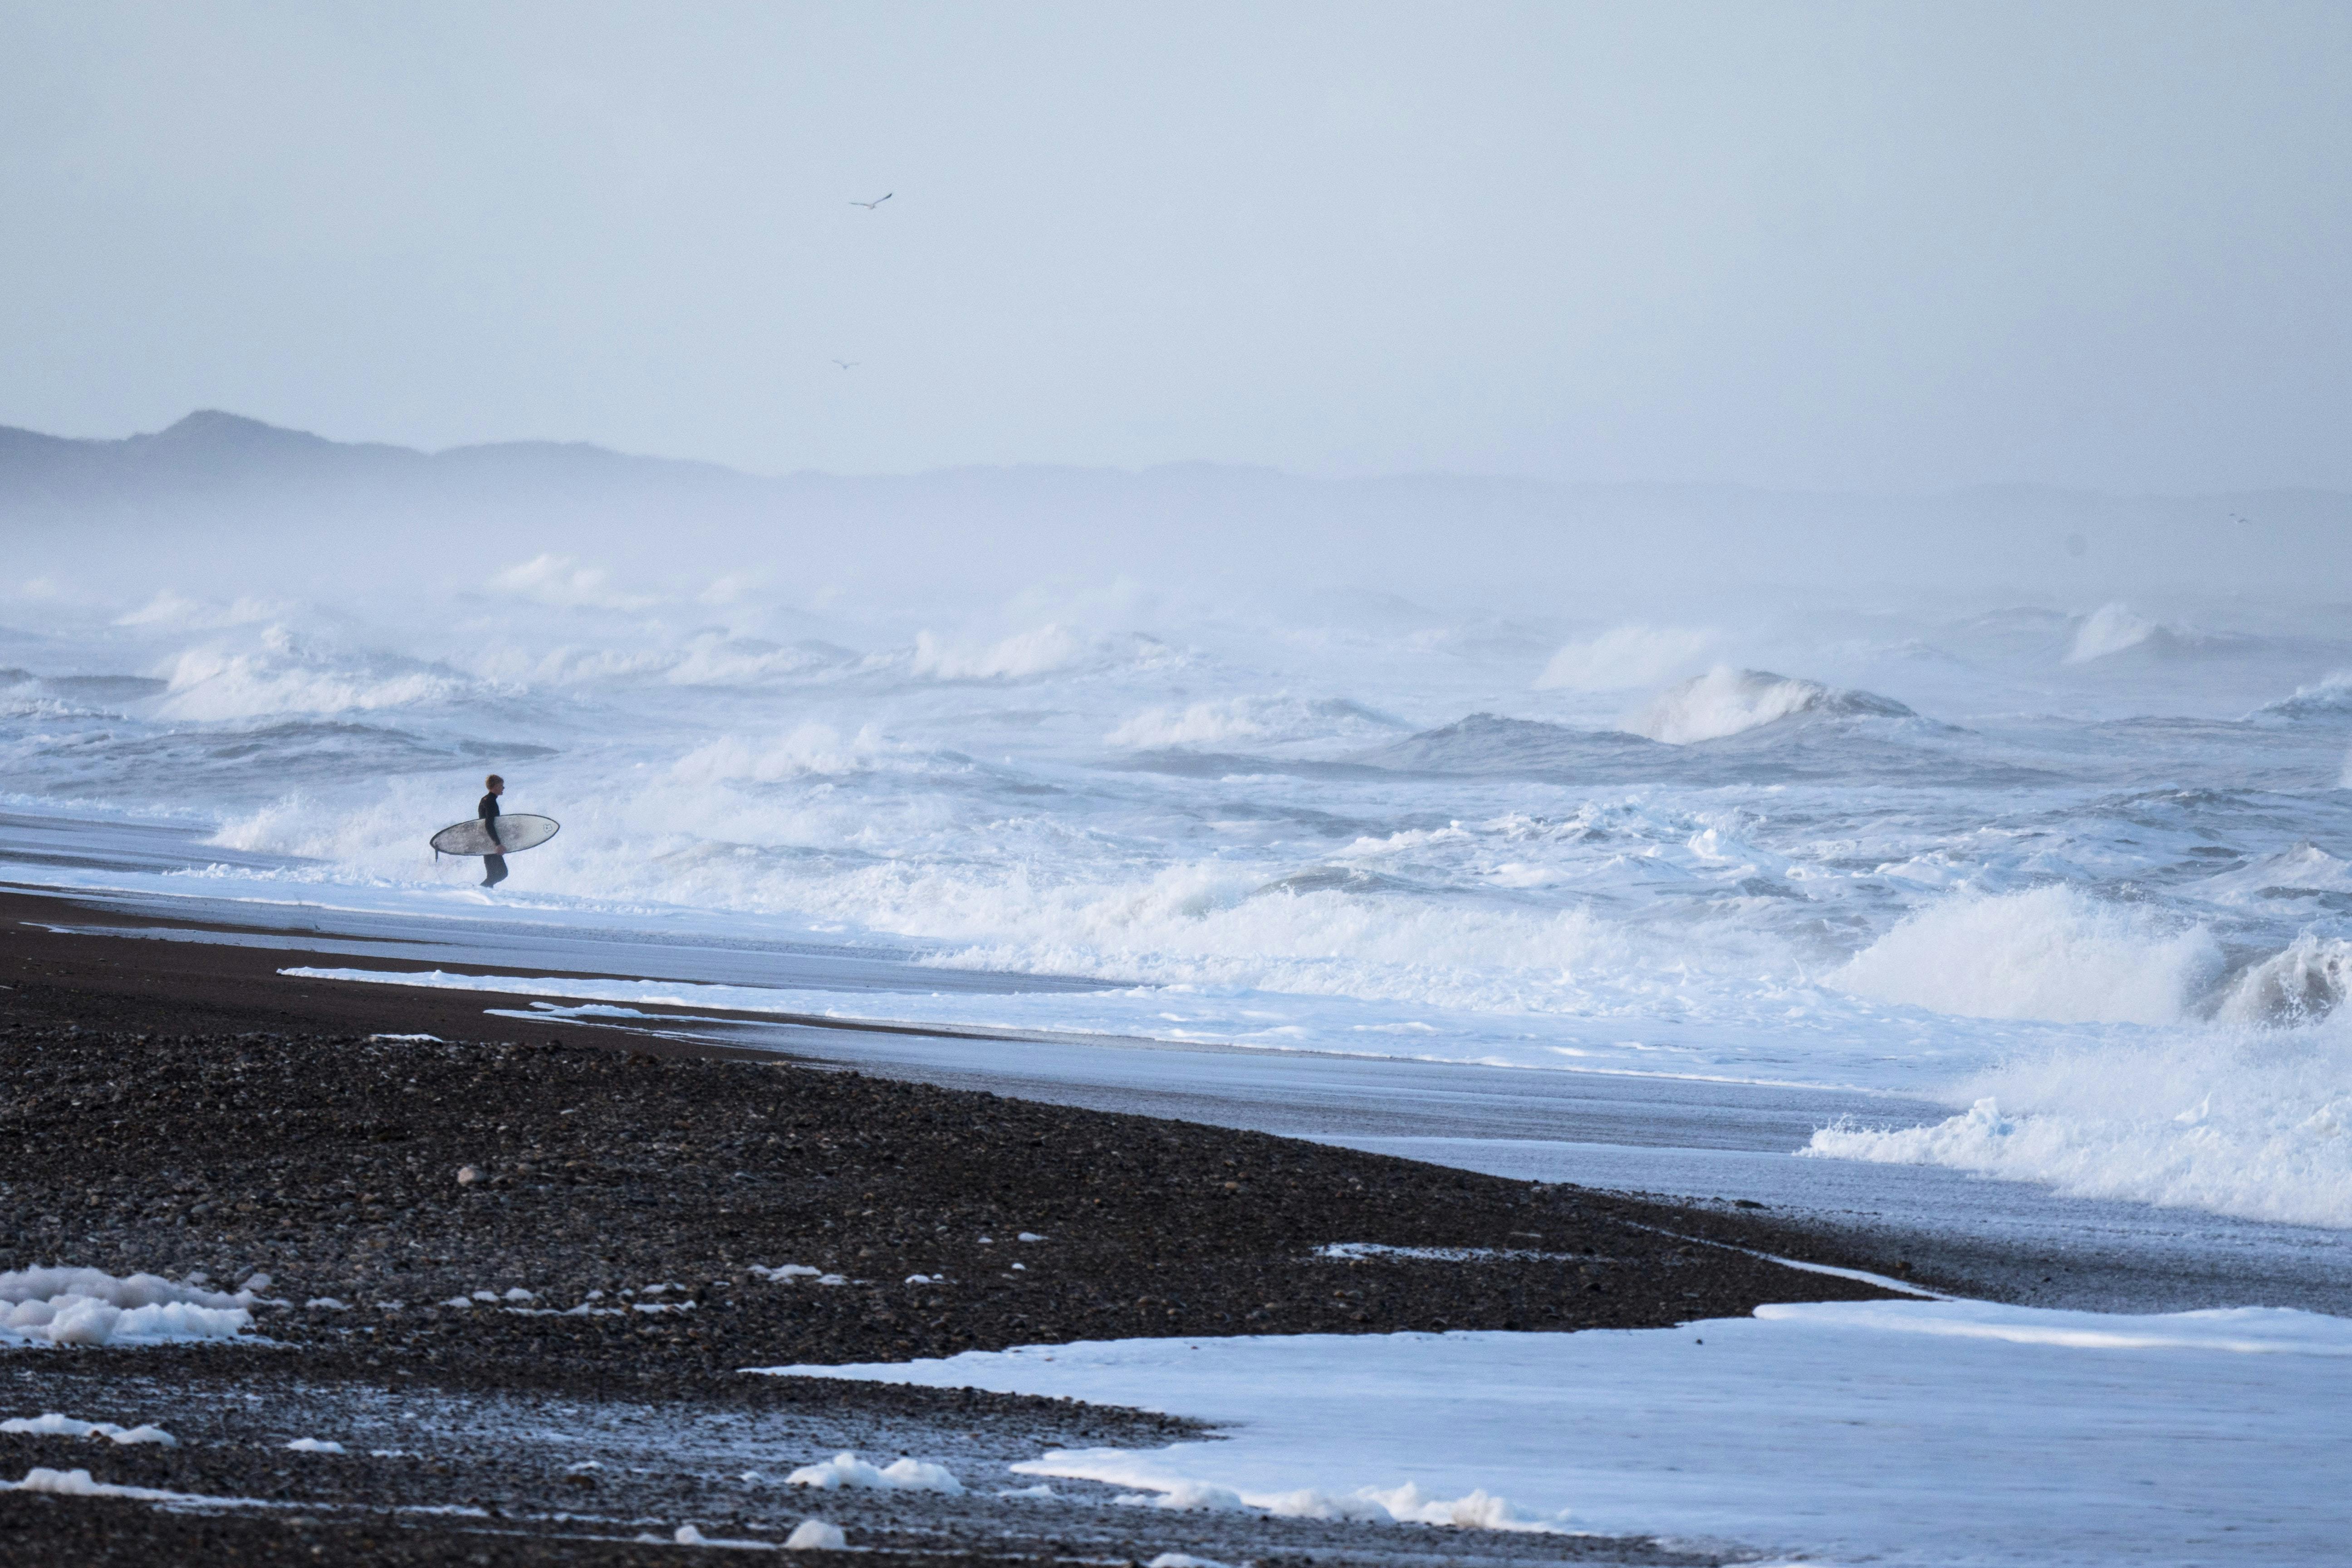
{"points": [[493, 867]]}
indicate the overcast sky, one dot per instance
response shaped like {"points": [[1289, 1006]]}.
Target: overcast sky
{"points": [[1872, 246]]}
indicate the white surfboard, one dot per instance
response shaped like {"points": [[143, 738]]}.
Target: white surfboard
{"points": [[516, 832]]}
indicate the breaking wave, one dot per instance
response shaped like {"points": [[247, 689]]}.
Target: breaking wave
{"points": [[2109, 630], [286, 677], [1048, 649], [564, 582], [2258, 1125], [2239, 1100], [2302, 871], [2115, 628], [711, 658], [2053, 952], [812, 749], [1253, 720], [2301, 986], [2328, 698], [1727, 701]]}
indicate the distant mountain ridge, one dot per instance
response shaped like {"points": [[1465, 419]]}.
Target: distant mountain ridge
{"points": [[216, 446], [210, 450], [214, 483]]}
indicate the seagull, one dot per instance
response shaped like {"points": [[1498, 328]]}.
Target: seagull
{"points": [[877, 202], [846, 363]]}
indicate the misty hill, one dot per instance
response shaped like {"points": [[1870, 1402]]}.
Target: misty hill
{"points": [[210, 457], [220, 497]]}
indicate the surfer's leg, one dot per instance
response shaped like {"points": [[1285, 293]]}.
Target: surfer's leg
{"points": [[494, 867]]}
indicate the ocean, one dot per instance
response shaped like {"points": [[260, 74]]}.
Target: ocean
{"points": [[2077, 874]]}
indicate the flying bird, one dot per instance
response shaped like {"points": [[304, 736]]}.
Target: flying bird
{"points": [[877, 202], [846, 363]]}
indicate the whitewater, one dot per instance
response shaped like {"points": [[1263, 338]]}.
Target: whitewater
{"points": [[2077, 872]]}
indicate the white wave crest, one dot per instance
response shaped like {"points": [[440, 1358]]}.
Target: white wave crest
{"points": [[2109, 630], [719, 660], [2298, 871], [1251, 719], [2300, 986], [1727, 701], [1213, 925], [1044, 650], [707, 659], [294, 825], [1200, 724], [2053, 952], [1040, 652], [213, 683], [810, 749], [2254, 1124], [563, 582], [1625, 656], [2329, 696]]}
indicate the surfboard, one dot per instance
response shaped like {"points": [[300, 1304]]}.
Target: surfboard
{"points": [[518, 831]]}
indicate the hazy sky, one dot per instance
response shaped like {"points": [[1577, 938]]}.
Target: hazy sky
{"points": [[1878, 246]]}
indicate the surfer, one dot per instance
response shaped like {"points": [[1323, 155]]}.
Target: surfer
{"points": [[493, 867]]}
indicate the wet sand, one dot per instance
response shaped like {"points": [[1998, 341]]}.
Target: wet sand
{"points": [[173, 1107]]}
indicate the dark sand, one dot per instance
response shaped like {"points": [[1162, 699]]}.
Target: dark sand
{"points": [[152, 985], [174, 1106]]}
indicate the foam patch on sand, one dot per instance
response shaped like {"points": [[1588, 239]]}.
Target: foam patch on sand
{"points": [[82, 1484], [815, 1536], [55, 1423], [902, 1474], [90, 1306]]}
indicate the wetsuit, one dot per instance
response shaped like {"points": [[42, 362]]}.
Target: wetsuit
{"points": [[493, 867]]}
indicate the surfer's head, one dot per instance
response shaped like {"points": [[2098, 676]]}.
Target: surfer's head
{"points": [[494, 784]]}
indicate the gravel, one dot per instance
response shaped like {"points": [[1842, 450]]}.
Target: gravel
{"points": [[676, 1188]]}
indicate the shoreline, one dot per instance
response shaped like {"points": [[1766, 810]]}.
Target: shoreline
{"points": [[135, 963], [141, 983], [267, 1131]]}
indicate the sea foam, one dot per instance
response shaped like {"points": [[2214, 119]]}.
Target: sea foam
{"points": [[2257, 1124], [2051, 952]]}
